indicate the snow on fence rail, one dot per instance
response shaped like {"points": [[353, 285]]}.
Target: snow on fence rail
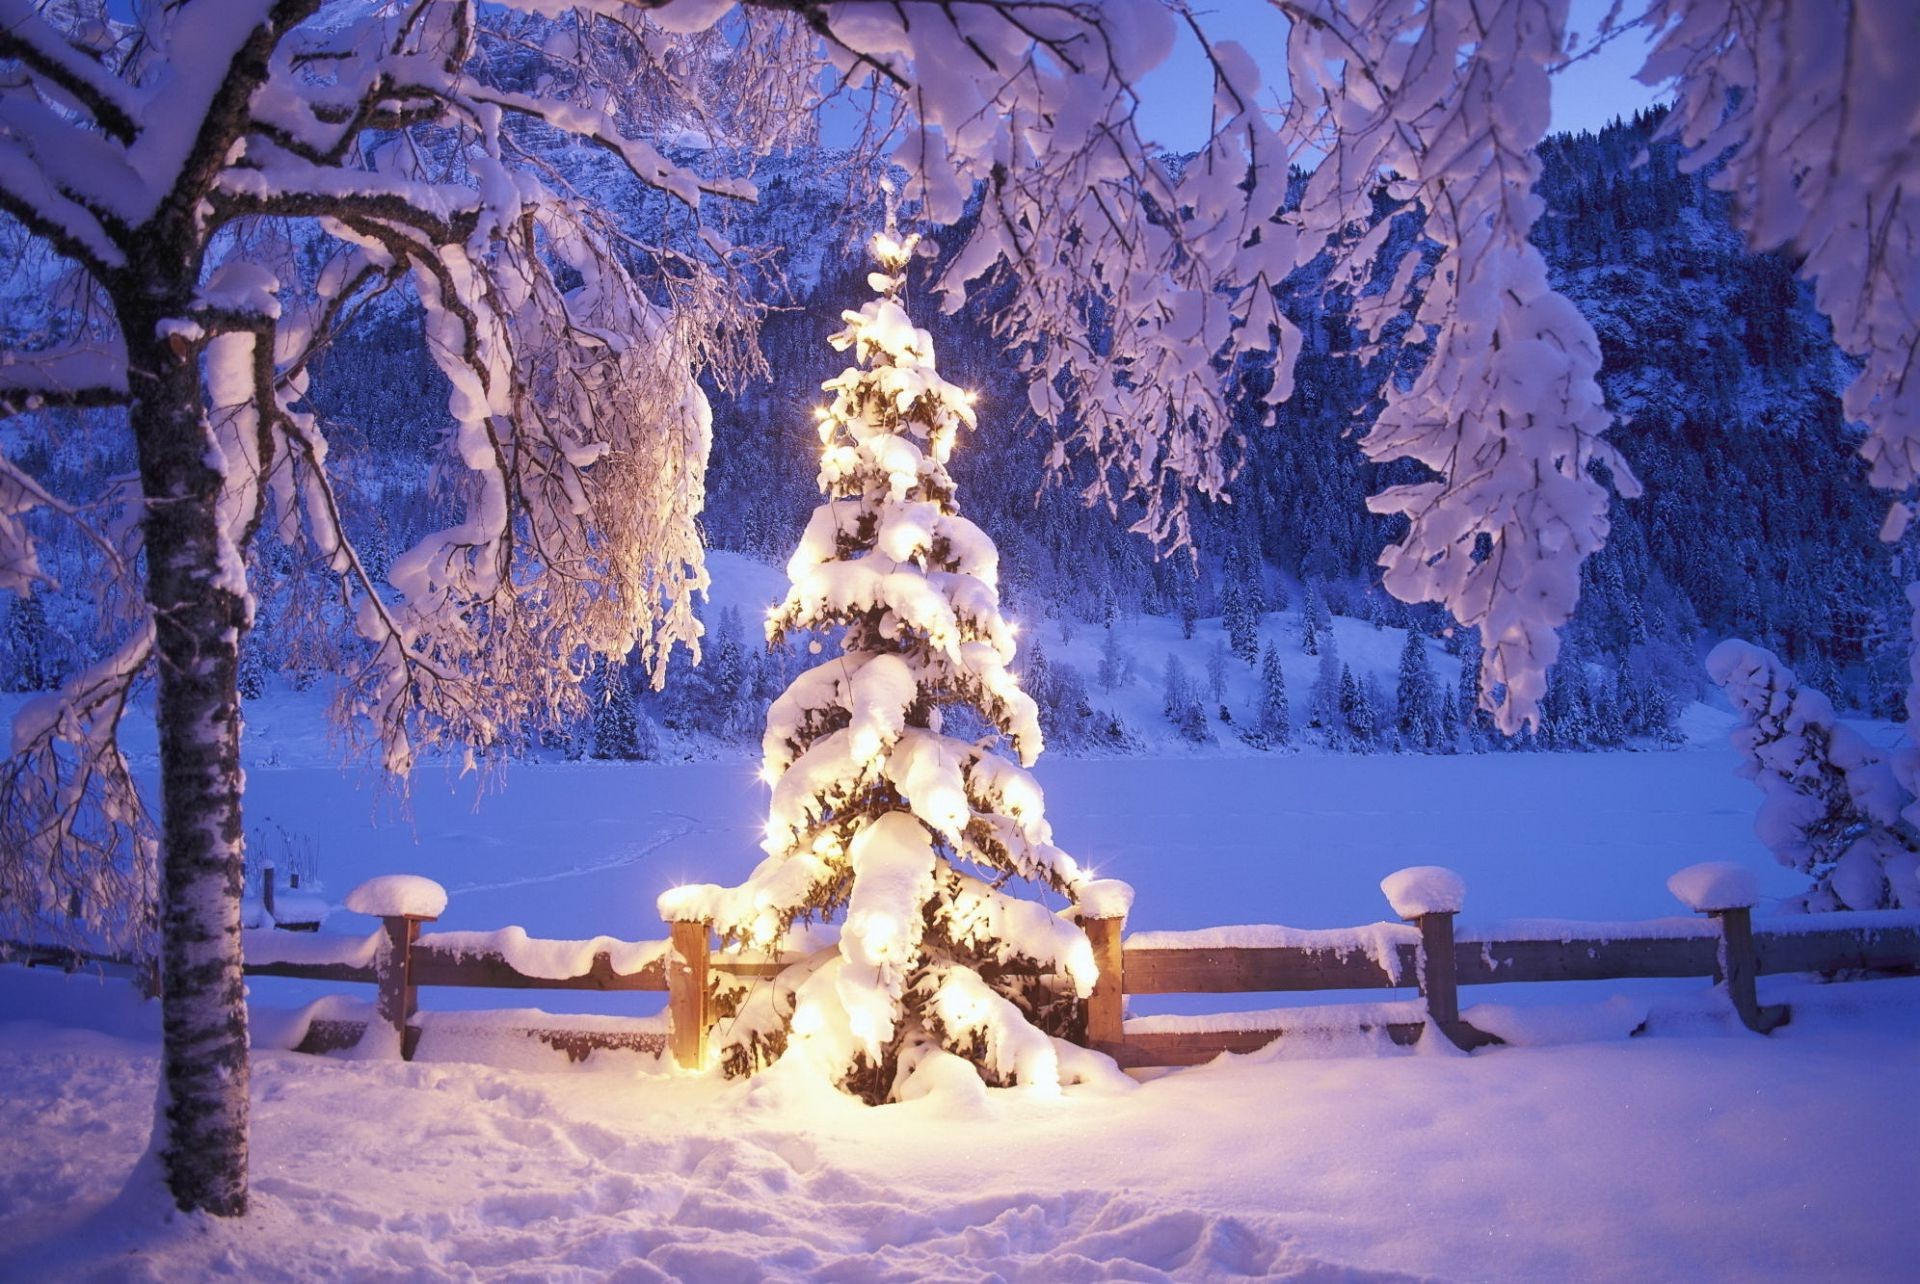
{"points": [[1425, 954]]}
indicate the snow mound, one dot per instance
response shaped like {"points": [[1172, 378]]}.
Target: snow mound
{"points": [[397, 895], [1715, 885], [300, 909], [1424, 889], [1104, 898], [1542, 1025]]}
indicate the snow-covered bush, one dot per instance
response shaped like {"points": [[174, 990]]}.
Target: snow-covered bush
{"points": [[1832, 806], [906, 835]]}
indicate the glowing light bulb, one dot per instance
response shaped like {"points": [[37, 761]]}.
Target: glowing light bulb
{"points": [[768, 773], [807, 1020]]}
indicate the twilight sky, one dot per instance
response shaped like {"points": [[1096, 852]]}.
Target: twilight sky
{"points": [[1176, 96]]}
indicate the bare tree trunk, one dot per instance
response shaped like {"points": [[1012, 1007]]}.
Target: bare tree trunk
{"points": [[198, 626]]}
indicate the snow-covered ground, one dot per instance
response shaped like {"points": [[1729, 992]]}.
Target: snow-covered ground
{"points": [[1698, 1151]]}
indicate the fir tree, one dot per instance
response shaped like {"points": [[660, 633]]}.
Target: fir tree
{"points": [[1363, 719], [1316, 622], [1323, 702], [1240, 606], [911, 837], [251, 677], [1475, 726], [1114, 663], [1217, 661], [1193, 725], [615, 729], [1275, 722], [30, 665], [1416, 716]]}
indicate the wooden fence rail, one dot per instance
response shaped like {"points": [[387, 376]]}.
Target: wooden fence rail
{"points": [[1426, 955], [1724, 947]]}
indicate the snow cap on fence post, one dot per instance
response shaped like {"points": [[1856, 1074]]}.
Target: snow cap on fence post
{"points": [[398, 896], [1715, 885], [1420, 890], [1103, 904], [1103, 898], [689, 911]]}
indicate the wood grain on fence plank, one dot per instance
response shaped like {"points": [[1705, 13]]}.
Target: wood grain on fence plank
{"points": [[1244, 969], [1492, 962], [1834, 949], [436, 966]]}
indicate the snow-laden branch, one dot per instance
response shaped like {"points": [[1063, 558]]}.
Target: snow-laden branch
{"points": [[1439, 108], [62, 62], [73, 374]]}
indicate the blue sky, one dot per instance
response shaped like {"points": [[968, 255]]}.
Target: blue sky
{"points": [[1176, 96]]}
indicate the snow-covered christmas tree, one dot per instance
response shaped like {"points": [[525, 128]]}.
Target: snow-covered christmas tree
{"points": [[914, 840]]}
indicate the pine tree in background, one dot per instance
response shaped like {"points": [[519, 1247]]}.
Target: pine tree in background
{"points": [[1475, 725], [616, 732], [1241, 605], [909, 836], [251, 677], [1115, 666], [1217, 661], [1316, 621], [29, 665], [1323, 702], [1833, 808], [1276, 724], [1416, 715], [1186, 600]]}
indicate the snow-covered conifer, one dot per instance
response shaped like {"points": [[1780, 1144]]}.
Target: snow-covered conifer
{"points": [[1832, 805], [1416, 716], [28, 668], [1186, 600], [1217, 661], [1323, 702], [1315, 619], [1241, 606], [1276, 724], [251, 676], [616, 730], [1115, 664], [906, 835]]}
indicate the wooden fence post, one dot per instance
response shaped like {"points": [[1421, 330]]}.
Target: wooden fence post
{"points": [[266, 890], [1106, 1005], [1739, 966], [1440, 982], [399, 998], [687, 991]]}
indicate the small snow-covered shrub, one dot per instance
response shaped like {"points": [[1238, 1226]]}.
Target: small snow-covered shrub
{"points": [[1832, 805]]}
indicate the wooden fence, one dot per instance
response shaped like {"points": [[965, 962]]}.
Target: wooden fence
{"points": [[1431, 959], [1425, 956]]}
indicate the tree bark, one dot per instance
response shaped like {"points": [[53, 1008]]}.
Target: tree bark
{"points": [[198, 626]]}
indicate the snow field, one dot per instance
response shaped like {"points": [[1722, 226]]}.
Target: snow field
{"points": [[1698, 1152]]}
